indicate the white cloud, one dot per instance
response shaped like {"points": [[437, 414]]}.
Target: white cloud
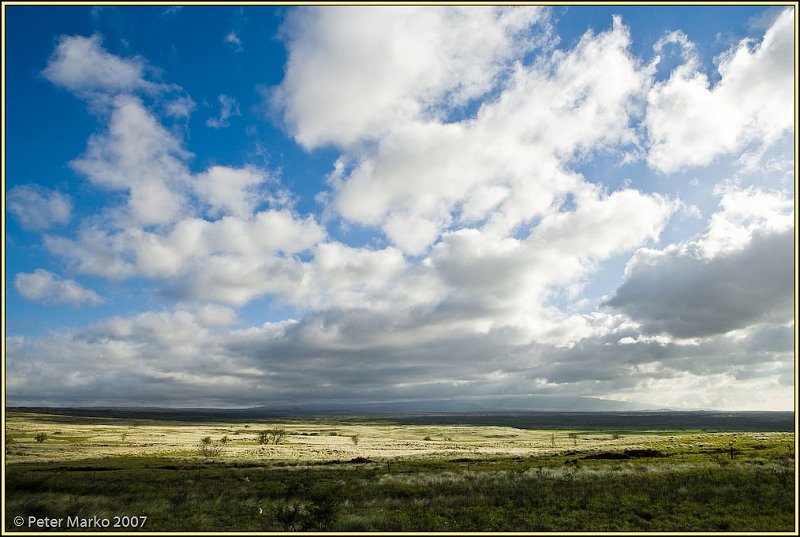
{"points": [[354, 72], [171, 11], [180, 107], [216, 315], [94, 252], [245, 253], [506, 166], [743, 212], [506, 283], [44, 286], [138, 155], [81, 65], [228, 107], [690, 121], [231, 260], [232, 39], [230, 190], [36, 207]]}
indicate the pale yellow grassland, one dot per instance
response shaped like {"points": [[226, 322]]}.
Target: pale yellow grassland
{"points": [[309, 442]]}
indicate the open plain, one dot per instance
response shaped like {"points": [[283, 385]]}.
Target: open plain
{"points": [[329, 474]]}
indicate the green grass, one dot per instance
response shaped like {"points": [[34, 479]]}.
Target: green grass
{"points": [[485, 479], [525, 494]]}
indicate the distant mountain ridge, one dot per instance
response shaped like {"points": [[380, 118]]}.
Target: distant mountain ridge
{"points": [[542, 403], [528, 412]]}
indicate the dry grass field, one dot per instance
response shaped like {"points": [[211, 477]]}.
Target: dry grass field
{"points": [[352, 475], [306, 441]]}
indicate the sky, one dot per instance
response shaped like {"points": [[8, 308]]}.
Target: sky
{"points": [[258, 205]]}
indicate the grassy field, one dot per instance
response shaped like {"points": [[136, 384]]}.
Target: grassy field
{"points": [[351, 475]]}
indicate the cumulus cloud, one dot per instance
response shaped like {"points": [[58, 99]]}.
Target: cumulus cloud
{"points": [[354, 72], [36, 207], [44, 286], [230, 190], [459, 133], [93, 251], [736, 273], [231, 260], [691, 121], [506, 166], [138, 155], [681, 294], [203, 236], [81, 65], [228, 107]]}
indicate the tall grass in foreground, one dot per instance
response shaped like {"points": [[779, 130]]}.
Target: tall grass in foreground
{"points": [[519, 495]]}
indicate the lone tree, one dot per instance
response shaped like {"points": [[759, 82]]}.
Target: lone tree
{"points": [[272, 436]]}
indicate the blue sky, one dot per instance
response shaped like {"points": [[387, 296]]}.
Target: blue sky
{"points": [[247, 205]]}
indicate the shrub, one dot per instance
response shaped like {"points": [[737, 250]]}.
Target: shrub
{"points": [[40, 437], [208, 448], [291, 515], [325, 505]]}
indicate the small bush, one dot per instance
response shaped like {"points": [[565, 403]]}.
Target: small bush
{"points": [[208, 448], [40, 437]]}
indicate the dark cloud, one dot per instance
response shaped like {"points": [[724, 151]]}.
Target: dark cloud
{"points": [[689, 296]]}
